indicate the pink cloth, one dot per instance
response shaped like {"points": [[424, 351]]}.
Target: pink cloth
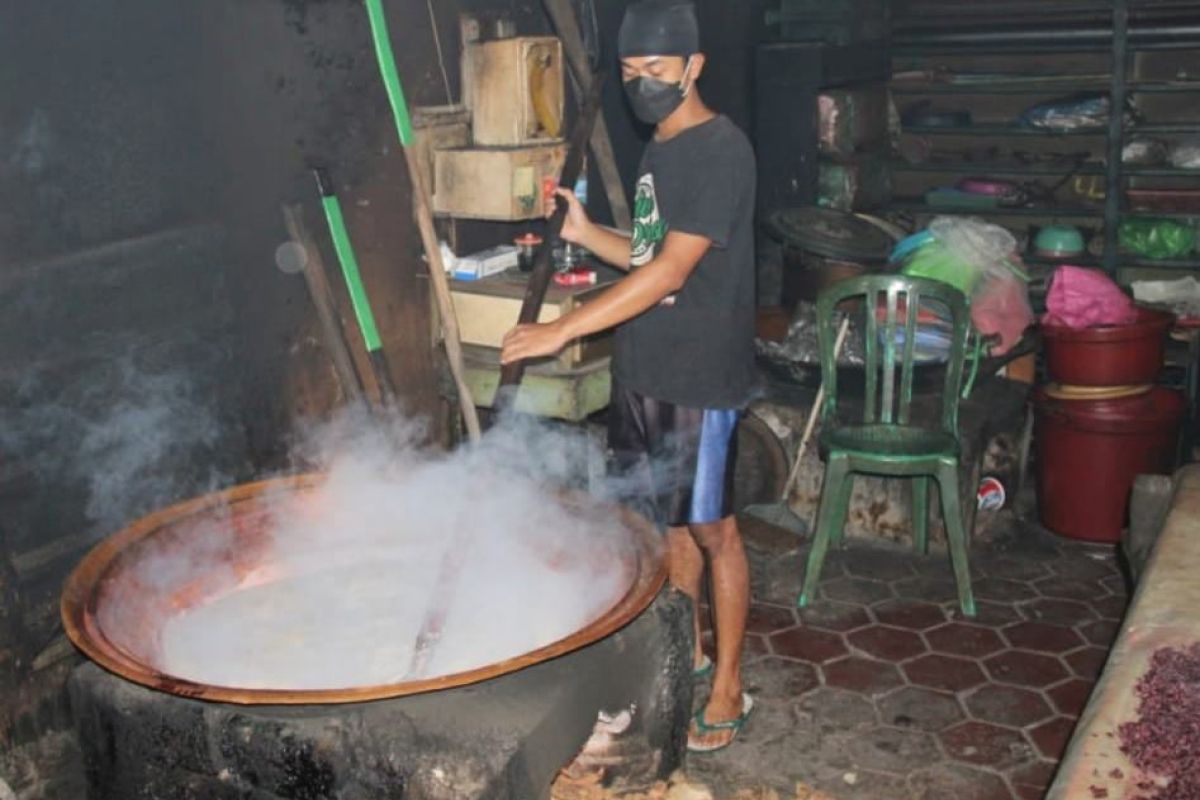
{"points": [[1004, 310], [1087, 298]]}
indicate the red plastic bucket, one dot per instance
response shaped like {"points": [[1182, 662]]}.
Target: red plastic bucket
{"points": [[1090, 451], [1113, 355]]}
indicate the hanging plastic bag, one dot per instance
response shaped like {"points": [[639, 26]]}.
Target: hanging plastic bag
{"points": [[1186, 154], [1086, 298], [1157, 238], [1076, 113], [980, 260]]}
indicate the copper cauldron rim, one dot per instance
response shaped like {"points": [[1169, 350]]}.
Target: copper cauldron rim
{"points": [[79, 595]]}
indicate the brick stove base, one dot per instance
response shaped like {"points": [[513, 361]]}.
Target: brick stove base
{"points": [[504, 739]]}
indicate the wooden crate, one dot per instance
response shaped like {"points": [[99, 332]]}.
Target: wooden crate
{"points": [[515, 90], [487, 309], [495, 183], [438, 128]]}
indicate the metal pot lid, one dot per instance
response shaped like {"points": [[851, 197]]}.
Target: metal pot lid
{"points": [[830, 233]]}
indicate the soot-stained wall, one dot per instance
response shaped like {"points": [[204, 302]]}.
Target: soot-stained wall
{"points": [[150, 348]]}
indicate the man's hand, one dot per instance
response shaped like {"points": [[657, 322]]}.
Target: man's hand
{"points": [[577, 225], [532, 341]]}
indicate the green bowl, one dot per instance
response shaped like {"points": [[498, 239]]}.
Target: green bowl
{"points": [[1059, 241]]}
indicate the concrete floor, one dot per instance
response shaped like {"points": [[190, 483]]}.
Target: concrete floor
{"points": [[881, 691]]}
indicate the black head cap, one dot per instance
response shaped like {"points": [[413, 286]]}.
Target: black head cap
{"points": [[659, 28]]}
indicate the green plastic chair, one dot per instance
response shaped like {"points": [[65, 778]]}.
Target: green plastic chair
{"points": [[887, 443]]}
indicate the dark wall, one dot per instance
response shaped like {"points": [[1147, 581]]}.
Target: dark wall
{"points": [[729, 32], [150, 348]]}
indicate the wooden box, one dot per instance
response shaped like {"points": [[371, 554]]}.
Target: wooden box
{"points": [[488, 308], [515, 90], [437, 128], [496, 183]]}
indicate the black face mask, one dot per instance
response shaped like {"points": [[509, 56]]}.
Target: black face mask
{"points": [[654, 100]]}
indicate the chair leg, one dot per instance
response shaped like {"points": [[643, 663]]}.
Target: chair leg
{"points": [[920, 505], [956, 535], [842, 509], [836, 474]]}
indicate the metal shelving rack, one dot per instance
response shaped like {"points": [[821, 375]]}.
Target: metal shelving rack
{"points": [[1120, 40]]}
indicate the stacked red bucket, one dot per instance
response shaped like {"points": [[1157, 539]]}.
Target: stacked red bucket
{"points": [[1101, 420]]}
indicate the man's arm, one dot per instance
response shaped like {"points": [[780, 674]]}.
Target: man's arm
{"points": [[641, 290], [610, 246]]}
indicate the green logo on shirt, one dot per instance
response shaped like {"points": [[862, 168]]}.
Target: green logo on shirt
{"points": [[649, 228]]}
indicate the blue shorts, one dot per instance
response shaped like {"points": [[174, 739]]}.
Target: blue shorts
{"points": [[676, 463]]}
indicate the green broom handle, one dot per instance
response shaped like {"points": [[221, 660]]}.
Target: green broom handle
{"points": [[345, 255], [387, 66]]}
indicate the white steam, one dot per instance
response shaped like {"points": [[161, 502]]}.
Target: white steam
{"points": [[359, 566]]}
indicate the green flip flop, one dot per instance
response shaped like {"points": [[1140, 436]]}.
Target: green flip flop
{"points": [[735, 725], [704, 670]]}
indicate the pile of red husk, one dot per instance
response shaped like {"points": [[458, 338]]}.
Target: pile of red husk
{"points": [[1164, 742]]}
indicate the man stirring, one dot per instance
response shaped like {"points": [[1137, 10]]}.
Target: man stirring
{"points": [[684, 315]]}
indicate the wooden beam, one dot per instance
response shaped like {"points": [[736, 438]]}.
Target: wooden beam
{"points": [[562, 16]]}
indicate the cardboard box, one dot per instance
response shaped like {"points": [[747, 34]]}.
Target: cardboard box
{"points": [[495, 183], [515, 90]]}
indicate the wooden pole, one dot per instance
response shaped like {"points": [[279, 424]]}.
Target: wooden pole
{"points": [[422, 207], [563, 18], [543, 264], [322, 298]]}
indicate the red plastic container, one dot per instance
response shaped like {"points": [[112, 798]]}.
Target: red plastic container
{"points": [[1113, 355], [1090, 451]]}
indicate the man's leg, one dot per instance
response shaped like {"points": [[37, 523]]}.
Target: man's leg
{"points": [[687, 571], [721, 543]]}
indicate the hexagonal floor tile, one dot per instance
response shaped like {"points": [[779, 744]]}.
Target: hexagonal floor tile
{"points": [[838, 709], [1002, 590], [1087, 662], [880, 565], [915, 707], [962, 639], [930, 588], [1070, 589], [1008, 705], [834, 616], [1101, 632], [986, 613], [957, 782], [1082, 565], [855, 590], [949, 673], [1111, 607], [985, 744], [1116, 585], [912, 614], [808, 644], [892, 749], [755, 645], [769, 619], [1042, 637], [1051, 737], [1025, 669], [889, 644], [1037, 774], [779, 678], [864, 675], [1011, 567], [1062, 612], [1070, 697]]}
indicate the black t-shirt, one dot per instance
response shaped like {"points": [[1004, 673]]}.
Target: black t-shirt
{"points": [[696, 349]]}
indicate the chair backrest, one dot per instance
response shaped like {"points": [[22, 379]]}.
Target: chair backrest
{"points": [[883, 401]]}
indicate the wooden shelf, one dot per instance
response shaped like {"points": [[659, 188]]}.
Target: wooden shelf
{"points": [[986, 129], [1038, 87]]}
